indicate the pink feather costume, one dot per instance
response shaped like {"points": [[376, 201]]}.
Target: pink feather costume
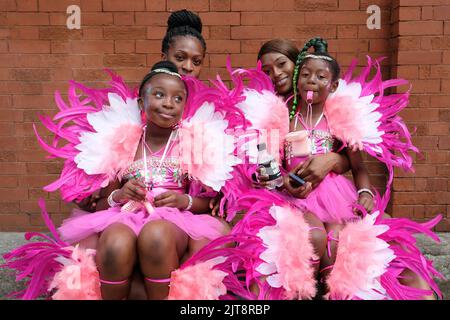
{"points": [[372, 251], [102, 129]]}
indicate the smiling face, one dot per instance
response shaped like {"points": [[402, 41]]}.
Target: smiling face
{"points": [[280, 70], [163, 100], [315, 75], [187, 54]]}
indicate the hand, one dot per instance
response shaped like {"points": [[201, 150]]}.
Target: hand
{"points": [[90, 203], [171, 199], [301, 192], [214, 205], [261, 178], [365, 200], [132, 190], [315, 168]]}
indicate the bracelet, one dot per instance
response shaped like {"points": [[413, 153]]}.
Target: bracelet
{"points": [[366, 190], [189, 206], [111, 201]]}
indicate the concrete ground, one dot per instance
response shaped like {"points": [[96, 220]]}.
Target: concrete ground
{"points": [[439, 253]]}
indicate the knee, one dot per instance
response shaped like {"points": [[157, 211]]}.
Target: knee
{"points": [[116, 249], [319, 240], [156, 241]]}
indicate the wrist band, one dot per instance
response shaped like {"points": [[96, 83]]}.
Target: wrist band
{"points": [[190, 203], [366, 190], [111, 201]]}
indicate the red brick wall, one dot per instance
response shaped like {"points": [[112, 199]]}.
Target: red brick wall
{"points": [[38, 54]]}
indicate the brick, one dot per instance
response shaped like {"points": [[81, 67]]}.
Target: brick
{"points": [[27, 19], [31, 74], [125, 33], [56, 5], [32, 101], [124, 46], [125, 60], [317, 5], [8, 5], [305, 32], [413, 114], [92, 46], [348, 5], [337, 17], [60, 46], [29, 46], [124, 18], [347, 32], [91, 5], [219, 5], [148, 46], [249, 5], [156, 32], [447, 27], [441, 13], [58, 19], [419, 57], [219, 32], [90, 75], [417, 28], [13, 220], [27, 5], [151, 18], [272, 18], [349, 45], [193, 5], [439, 43], [260, 32], [59, 33], [220, 18], [23, 32], [410, 13], [119, 5], [153, 5], [444, 143], [446, 57], [224, 46], [427, 13], [97, 19], [440, 101], [444, 115], [407, 72], [439, 129], [13, 194], [404, 184]]}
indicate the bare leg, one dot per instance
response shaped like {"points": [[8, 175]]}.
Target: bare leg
{"points": [[160, 246], [196, 245], [329, 258], [115, 258]]}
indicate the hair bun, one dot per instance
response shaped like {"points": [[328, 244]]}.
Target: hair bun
{"points": [[165, 65], [182, 18]]}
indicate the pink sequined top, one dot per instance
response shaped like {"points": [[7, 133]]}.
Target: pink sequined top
{"points": [[300, 145]]}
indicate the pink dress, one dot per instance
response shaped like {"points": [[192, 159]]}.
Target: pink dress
{"points": [[83, 224], [332, 199]]}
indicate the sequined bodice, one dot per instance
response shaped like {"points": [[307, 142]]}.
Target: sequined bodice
{"points": [[169, 176], [300, 145]]}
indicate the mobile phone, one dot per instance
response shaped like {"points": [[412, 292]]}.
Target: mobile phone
{"points": [[295, 180]]}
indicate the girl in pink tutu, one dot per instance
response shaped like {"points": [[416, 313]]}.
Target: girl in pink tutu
{"points": [[370, 256]]}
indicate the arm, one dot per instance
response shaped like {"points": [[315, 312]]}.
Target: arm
{"points": [[181, 201], [361, 178], [102, 203], [131, 190]]}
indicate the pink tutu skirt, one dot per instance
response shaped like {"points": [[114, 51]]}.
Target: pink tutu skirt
{"points": [[331, 201], [83, 224]]}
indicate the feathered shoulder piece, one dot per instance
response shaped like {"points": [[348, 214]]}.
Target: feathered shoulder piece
{"points": [[359, 113], [97, 134]]}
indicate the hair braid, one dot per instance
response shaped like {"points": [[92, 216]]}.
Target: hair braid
{"points": [[319, 45]]}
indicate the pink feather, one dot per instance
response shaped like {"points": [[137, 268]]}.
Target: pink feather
{"points": [[287, 259], [78, 279], [198, 282]]}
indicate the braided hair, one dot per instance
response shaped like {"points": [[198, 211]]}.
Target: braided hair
{"points": [[320, 50], [183, 23]]}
